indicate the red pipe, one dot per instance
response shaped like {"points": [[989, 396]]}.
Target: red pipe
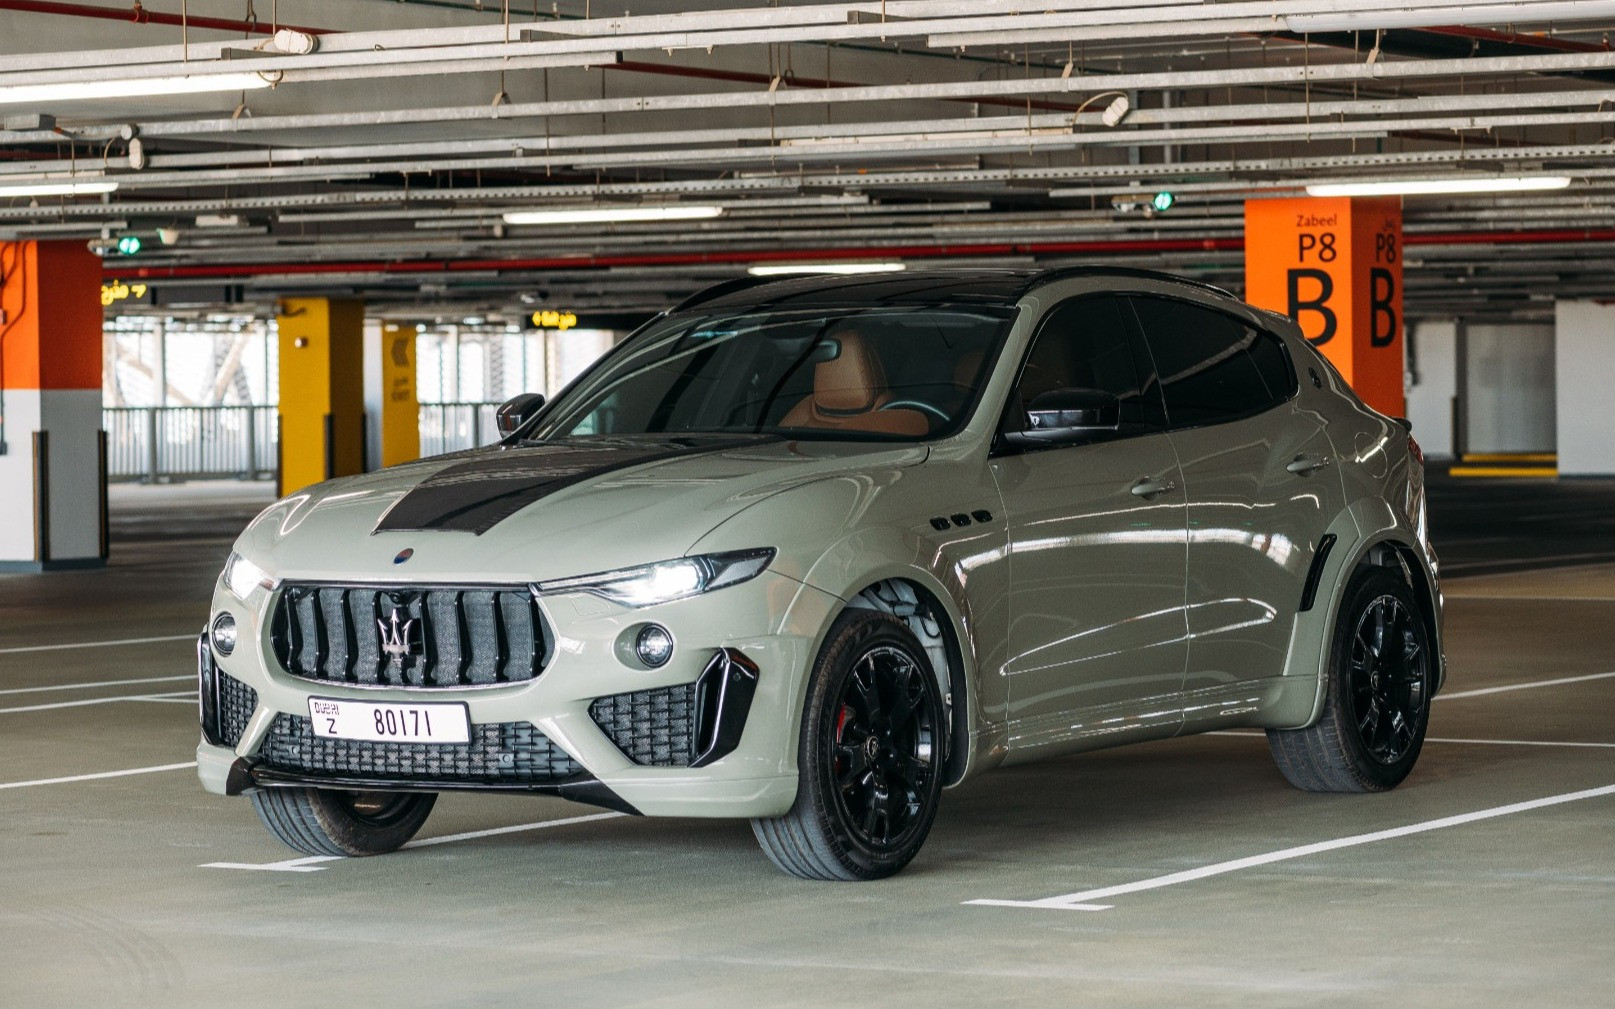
{"points": [[741, 77], [140, 15], [123, 270], [1517, 39]]}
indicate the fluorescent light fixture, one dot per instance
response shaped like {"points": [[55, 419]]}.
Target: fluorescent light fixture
{"points": [[1433, 187], [57, 189], [129, 87], [613, 215], [776, 270]]}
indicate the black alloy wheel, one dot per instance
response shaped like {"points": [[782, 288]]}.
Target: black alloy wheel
{"points": [[1389, 680], [1377, 688], [883, 749], [871, 758]]}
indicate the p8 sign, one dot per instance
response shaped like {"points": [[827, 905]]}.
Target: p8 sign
{"points": [[1335, 267]]}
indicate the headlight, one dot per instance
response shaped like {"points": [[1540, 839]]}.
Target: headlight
{"points": [[241, 576], [668, 580]]}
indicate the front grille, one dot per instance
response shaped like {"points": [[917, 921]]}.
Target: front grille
{"points": [[655, 727], [435, 636], [237, 702], [499, 753]]}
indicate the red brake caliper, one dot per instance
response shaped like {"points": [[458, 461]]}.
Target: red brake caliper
{"points": [[841, 726]]}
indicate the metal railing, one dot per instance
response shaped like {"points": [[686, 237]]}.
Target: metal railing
{"points": [[185, 442], [197, 442], [453, 427]]}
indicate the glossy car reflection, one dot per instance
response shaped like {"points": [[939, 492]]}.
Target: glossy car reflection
{"points": [[806, 552]]}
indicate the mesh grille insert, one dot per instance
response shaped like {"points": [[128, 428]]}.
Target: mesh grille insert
{"points": [[431, 636], [237, 702], [499, 753], [654, 727]]}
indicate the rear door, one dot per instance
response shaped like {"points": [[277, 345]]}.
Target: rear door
{"points": [[1096, 533], [1260, 481]]}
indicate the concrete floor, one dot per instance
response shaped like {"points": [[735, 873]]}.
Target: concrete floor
{"points": [[106, 897]]}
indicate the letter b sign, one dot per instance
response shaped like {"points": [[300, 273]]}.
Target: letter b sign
{"points": [[1318, 302]]}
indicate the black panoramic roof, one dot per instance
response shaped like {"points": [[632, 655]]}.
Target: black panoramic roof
{"points": [[992, 287]]}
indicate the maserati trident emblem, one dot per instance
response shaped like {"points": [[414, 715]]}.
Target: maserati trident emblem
{"points": [[395, 638]]}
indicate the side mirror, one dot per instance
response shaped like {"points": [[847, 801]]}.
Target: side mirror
{"points": [[1064, 415], [516, 411]]}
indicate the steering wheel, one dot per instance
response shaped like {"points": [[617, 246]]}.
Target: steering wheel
{"points": [[916, 404]]}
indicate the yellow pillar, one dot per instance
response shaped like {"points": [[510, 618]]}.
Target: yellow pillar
{"points": [[400, 407], [321, 390], [1334, 265]]}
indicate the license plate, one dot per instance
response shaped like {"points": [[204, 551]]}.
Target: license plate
{"points": [[390, 723]]}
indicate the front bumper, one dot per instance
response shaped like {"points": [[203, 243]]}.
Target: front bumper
{"points": [[742, 657]]}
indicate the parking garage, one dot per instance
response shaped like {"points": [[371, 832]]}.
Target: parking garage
{"points": [[245, 250]]}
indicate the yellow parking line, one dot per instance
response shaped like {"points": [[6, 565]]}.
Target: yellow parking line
{"points": [[1504, 471]]}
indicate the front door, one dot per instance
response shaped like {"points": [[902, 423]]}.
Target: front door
{"points": [[1097, 538]]}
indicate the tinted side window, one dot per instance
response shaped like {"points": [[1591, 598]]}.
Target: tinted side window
{"points": [[1086, 344], [1213, 367]]}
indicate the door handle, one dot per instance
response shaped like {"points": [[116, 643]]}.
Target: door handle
{"points": [[1306, 465], [1149, 487]]}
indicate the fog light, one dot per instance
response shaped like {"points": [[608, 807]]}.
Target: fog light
{"points": [[224, 634], [654, 646]]}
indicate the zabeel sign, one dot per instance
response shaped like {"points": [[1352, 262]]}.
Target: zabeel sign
{"points": [[1335, 267]]}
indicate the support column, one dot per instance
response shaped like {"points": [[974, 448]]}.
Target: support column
{"points": [[1432, 400], [391, 401], [1335, 266], [52, 490], [321, 390], [1584, 359]]}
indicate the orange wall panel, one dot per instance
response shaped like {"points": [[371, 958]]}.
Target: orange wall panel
{"points": [[52, 304]]}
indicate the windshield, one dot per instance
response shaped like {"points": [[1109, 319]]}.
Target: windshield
{"points": [[890, 373]]}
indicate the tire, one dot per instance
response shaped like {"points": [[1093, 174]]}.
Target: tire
{"points": [[323, 821], [1377, 700], [872, 757]]}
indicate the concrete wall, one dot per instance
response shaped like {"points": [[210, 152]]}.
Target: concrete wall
{"points": [[1432, 373], [1509, 388], [1585, 359]]}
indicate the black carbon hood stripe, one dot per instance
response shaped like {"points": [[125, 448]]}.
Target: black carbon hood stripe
{"points": [[475, 495]]}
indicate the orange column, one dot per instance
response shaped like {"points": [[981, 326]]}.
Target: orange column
{"points": [[1335, 266], [52, 489]]}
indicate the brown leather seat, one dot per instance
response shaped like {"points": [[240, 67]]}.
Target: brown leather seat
{"points": [[848, 393]]}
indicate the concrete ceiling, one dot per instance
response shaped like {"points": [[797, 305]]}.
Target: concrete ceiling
{"points": [[927, 131]]}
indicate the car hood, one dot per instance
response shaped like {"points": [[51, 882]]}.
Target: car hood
{"points": [[531, 513]]}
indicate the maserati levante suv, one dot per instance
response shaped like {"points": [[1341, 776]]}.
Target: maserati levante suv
{"points": [[808, 552]]}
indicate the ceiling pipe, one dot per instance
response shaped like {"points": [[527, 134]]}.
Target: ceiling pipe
{"points": [[142, 15], [1095, 248], [970, 91]]}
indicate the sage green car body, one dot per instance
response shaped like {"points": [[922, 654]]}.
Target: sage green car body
{"points": [[1080, 616]]}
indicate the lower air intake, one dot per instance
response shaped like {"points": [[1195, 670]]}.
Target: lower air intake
{"points": [[500, 753]]}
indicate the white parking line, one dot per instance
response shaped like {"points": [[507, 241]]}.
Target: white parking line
{"points": [[89, 686], [1519, 742], [96, 644], [95, 700], [1083, 900], [1533, 684], [311, 863], [98, 775]]}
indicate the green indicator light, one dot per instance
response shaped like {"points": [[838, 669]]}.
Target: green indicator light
{"points": [[129, 245], [1163, 200]]}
